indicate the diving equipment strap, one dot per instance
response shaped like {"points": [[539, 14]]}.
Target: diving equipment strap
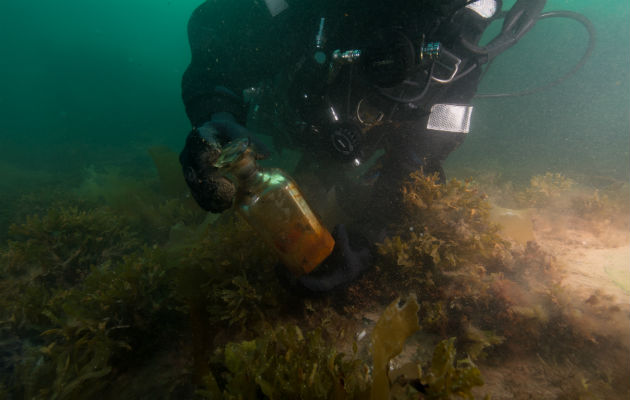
{"points": [[450, 118]]}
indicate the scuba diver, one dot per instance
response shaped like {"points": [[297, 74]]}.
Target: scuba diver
{"points": [[369, 91]]}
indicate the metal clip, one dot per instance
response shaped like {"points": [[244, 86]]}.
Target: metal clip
{"points": [[455, 66], [345, 57]]}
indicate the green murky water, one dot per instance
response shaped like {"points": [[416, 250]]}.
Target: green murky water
{"points": [[114, 284]]}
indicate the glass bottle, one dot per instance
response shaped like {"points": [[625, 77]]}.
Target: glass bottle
{"points": [[273, 205]]}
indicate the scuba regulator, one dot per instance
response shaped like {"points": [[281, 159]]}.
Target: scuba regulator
{"points": [[342, 94], [396, 67]]}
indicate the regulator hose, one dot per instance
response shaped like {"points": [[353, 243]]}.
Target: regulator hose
{"points": [[587, 53]]}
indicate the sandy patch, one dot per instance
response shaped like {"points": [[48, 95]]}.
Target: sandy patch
{"points": [[594, 258]]}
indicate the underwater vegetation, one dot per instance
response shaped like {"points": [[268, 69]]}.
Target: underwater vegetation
{"points": [[558, 192], [446, 225], [78, 293], [544, 189], [393, 328], [448, 377], [55, 252], [16, 184], [592, 199], [497, 298], [149, 206], [74, 333], [448, 252], [124, 290], [287, 363]]}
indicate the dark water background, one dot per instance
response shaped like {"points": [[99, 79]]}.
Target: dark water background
{"points": [[92, 83]]}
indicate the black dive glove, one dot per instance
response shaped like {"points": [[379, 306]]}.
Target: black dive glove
{"points": [[210, 189], [350, 257]]}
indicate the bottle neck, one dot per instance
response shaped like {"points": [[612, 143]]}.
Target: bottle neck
{"points": [[245, 169]]}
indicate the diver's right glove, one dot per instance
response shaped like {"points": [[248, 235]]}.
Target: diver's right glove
{"points": [[212, 191], [350, 257]]}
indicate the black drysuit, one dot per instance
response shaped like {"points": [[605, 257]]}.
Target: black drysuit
{"points": [[236, 44]]}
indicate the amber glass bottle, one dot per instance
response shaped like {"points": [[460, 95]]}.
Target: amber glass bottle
{"points": [[272, 204]]}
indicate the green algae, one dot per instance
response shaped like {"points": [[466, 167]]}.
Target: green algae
{"points": [[448, 224], [231, 272], [56, 252], [478, 340], [93, 327], [169, 171], [543, 189], [80, 294], [286, 363], [448, 377], [393, 328], [469, 280], [205, 295], [147, 208]]}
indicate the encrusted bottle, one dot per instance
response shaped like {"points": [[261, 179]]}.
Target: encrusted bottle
{"points": [[272, 204]]}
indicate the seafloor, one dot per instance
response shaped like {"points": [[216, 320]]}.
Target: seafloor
{"points": [[120, 287]]}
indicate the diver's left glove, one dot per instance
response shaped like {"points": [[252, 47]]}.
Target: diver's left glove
{"points": [[350, 257], [212, 191]]}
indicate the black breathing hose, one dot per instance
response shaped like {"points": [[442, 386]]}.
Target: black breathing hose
{"points": [[417, 97], [587, 53]]}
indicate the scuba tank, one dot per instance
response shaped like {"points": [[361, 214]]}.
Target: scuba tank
{"points": [[271, 202]]}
